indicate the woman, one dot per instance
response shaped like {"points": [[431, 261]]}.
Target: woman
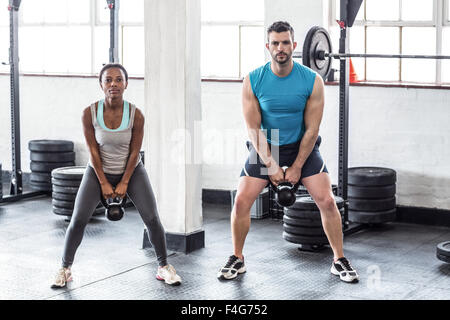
{"points": [[114, 129]]}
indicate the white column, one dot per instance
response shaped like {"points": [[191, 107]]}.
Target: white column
{"points": [[173, 111]]}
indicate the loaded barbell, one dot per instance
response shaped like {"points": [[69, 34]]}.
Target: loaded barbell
{"points": [[317, 52]]}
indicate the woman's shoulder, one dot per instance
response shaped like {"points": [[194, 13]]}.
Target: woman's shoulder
{"points": [[137, 111], [138, 114], [87, 111]]}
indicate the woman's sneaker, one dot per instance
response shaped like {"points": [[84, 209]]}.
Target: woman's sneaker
{"points": [[63, 276], [168, 274], [344, 270], [233, 267]]}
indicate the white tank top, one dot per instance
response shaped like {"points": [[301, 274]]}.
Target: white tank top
{"points": [[114, 145]]}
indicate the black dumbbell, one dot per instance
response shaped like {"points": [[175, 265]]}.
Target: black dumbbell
{"points": [[114, 207], [285, 193]]}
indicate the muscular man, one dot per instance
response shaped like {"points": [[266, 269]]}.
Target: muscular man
{"points": [[286, 100]]}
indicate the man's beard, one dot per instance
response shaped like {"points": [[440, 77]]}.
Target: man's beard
{"points": [[288, 57]]}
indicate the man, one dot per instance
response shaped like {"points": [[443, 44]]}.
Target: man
{"points": [[286, 100]]}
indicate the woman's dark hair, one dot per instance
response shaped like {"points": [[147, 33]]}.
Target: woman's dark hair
{"points": [[112, 65], [280, 26]]}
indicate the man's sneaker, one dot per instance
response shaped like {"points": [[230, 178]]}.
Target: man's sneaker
{"points": [[233, 267], [344, 270], [168, 274], [63, 276]]}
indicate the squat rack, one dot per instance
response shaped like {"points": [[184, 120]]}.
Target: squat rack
{"points": [[16, 185]]}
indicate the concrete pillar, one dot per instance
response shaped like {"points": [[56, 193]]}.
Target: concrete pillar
{"points": [[172, 115]]}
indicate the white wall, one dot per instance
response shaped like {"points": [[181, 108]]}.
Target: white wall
{"points": [[403, 129]]}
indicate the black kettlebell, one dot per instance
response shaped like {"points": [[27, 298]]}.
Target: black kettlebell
{"points": [[285, 193], [114, 207]]}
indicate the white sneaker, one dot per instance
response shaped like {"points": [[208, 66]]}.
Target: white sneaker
{"points": [[232, 268], [63, 276], [344, 270], [168, 274]]}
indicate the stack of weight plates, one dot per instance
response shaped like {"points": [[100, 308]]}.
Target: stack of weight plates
{"points": [[303, 224], [65, 184], [371, 195], [302, 190], [45, 156], [443, 251]]}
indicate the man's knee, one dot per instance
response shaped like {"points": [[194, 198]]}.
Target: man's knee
{"points": [[242, 204], [326, 203]]}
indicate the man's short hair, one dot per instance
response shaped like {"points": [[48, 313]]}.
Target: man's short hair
{"points": [[112, 65], [280, 26]]}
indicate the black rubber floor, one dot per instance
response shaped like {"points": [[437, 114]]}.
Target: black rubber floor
{"points": [[396, 261]]}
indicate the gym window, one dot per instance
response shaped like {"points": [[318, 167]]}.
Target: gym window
{"points": [[398, 27], [72, 37], [232, 40]]}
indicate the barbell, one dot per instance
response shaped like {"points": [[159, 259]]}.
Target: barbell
{"points": [[317, 52]]}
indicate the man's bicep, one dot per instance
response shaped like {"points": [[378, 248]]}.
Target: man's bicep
{"points": [[250, 105], [315, 105]]}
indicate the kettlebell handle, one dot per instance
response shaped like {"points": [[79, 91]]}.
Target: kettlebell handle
{"points": [[106, 202], [286, 183]]}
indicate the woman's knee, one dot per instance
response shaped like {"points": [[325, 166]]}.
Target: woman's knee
{"points": [[77, 225]]}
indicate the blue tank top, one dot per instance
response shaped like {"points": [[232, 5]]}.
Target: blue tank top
{"points": [[125, 116], [282, 101]]}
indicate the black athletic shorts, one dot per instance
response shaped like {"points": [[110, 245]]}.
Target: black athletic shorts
{"points": [[254, 167]]}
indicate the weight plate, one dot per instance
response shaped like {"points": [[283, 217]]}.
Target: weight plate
{"points": [[66, 183], [50, 145], [304, 239], [60, 189], [302, 222], [63, 196], [383, 204], [304, 231], [302, 214], [317, 39], [48, 166], [69, 173], [63, 204], [372, 217], [376, 192], [371, 176], [443, 248], [307, 203], [443, 258], [40, 177], [41, 186], [52, 156], [305, 214]]}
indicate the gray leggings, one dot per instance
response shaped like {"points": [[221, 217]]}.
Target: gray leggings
{"points": [[88, 196]]}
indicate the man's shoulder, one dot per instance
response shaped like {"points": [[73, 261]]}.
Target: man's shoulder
{"points": [[304, 69], [260, 70]]}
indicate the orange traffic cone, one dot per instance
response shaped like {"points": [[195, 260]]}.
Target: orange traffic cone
{"points": [[353, 75]]}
